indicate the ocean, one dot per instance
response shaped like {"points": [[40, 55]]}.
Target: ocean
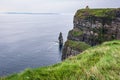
{"points": [[31, 40]]}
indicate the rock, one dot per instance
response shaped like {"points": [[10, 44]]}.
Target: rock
{"points": [[75, 34], [97, 29], [68, 51], [72, 48], [60, 38]]}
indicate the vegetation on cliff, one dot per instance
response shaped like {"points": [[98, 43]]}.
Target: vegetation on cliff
{"points": [[76, 32], [77, 45], [97, 63], [72, 48], [108, 13], [96, 25]]}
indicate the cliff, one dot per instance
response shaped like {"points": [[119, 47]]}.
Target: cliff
{"points": [[97, 63], [93, 26]]}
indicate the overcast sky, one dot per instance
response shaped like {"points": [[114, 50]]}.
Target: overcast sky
{"points": [[55, 6]]}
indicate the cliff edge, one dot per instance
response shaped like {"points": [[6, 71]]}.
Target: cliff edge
{"points": [[92, 27]]}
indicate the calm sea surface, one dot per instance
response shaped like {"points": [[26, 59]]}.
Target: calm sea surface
{"points": [[30, 41]]}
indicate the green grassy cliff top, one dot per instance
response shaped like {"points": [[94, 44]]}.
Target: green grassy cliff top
{"points": [[97, 63], [106, 12]]}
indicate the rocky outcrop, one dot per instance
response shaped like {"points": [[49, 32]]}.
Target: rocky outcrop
{"points": [[72, 48], [60, 38], [93, 26], [68, 51]]}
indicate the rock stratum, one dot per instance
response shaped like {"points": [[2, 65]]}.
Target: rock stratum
{"points": [[92, 27]]}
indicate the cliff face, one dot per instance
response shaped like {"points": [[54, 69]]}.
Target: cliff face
{"points": [[93, 26], [73, 48]]}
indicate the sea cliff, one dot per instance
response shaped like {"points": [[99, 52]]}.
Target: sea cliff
{"points": [[92, 27]]}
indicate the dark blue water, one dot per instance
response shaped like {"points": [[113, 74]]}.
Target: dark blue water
{"points": [[30, 41]]}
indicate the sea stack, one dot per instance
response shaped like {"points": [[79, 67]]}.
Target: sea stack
{"points": [[60, 38]]}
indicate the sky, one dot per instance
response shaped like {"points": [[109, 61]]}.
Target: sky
{"points": [[54, 6]]}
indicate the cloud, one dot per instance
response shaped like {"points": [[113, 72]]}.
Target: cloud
{"points": [[54, 5]]}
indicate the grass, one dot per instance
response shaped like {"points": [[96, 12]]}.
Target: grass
{"points": [[97, 63], [108, 12], [76, 32], [77, 45]]}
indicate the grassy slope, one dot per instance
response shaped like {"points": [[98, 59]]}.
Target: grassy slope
{"points": [[97, 63]]}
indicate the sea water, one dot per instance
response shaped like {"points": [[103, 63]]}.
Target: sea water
{"points": [[31, 41]]}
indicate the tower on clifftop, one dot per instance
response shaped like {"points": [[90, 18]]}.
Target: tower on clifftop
{"points": [[87, 7]]}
